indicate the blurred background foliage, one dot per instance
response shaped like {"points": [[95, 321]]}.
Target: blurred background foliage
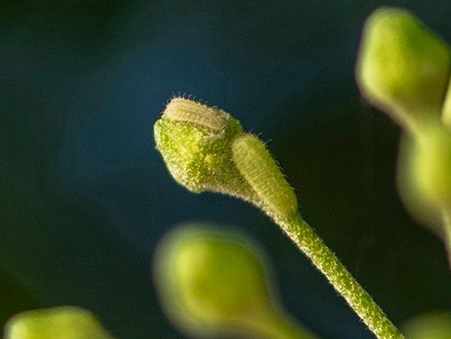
{"points": [[84, 196]]}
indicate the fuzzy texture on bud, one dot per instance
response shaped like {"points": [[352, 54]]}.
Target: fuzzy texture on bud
{"points": [[205, 149], [194, 140]]}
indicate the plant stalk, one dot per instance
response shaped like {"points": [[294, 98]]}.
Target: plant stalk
{"points": [[341, 279]]}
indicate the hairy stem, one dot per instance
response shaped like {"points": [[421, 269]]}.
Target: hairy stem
{"points": [[341, 279]]}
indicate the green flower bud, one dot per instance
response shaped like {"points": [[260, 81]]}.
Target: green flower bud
{"points": [[402, 67], [435, 325], [194, 140], [432, 165], [212, 282], [55, 323], [446, 109], [205, 149], [424, 174]]}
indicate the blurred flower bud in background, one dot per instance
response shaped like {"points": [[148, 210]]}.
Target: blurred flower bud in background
{"points": [[55, 323], [213, 282]]}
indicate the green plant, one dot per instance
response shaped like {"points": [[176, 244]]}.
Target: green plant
{"points": [[404, 70], [206, 149]]}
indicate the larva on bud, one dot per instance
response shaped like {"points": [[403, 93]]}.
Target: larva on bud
{"points": [[181, 109], [258, 167], [205, 149]]}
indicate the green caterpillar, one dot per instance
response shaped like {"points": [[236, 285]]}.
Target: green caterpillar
{"points": [[258, 167], [181, 109], [206, 150]]}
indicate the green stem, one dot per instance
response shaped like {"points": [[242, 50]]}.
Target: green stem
{"points": [[325, 260]]}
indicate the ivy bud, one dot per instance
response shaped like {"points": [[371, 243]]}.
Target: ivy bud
{"points": [[425, 174], [55, 323], [432, 165], [402, 67], [205, 149], [210, 281], [434, 325], [195, 140]]}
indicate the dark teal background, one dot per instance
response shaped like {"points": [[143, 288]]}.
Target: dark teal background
{"points": [[85, 197]]}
